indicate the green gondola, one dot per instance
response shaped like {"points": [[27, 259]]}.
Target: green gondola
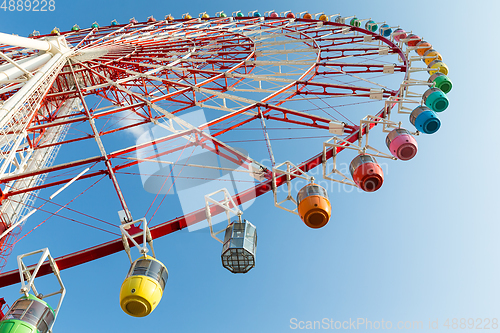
{"points": [[28, 314]]}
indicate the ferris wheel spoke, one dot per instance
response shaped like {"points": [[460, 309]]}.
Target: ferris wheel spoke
{"points": [[250, 32], [107, 36], [309, 120], [92, 160], [201, 139], [351, 74], [86, 39], [187, 125], [42, 171], [103, 151], [361, 67], [339, 39], [261, 40], [192, 89], [353, 53]]}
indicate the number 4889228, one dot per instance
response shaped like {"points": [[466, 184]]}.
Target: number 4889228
{"points": [[28, 5], [471, 323]]}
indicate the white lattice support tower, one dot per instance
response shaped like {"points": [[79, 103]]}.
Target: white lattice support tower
{"points": [[17, 155], [18, 112], [16, 207]]}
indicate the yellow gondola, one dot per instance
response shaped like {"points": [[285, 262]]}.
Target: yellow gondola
{"points": [[143, 288]]}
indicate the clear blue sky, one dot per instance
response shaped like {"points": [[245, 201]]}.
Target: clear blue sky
{"points": [[424, 247]]}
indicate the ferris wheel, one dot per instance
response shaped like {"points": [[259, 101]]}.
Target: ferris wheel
{"points": [[178, 120]]}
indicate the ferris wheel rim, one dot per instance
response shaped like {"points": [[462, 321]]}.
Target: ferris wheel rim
{"points": [[162, 229]]}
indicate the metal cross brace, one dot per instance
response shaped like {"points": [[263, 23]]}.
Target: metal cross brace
{"points": [[28, 275], [125, 228], [291, 171]]}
